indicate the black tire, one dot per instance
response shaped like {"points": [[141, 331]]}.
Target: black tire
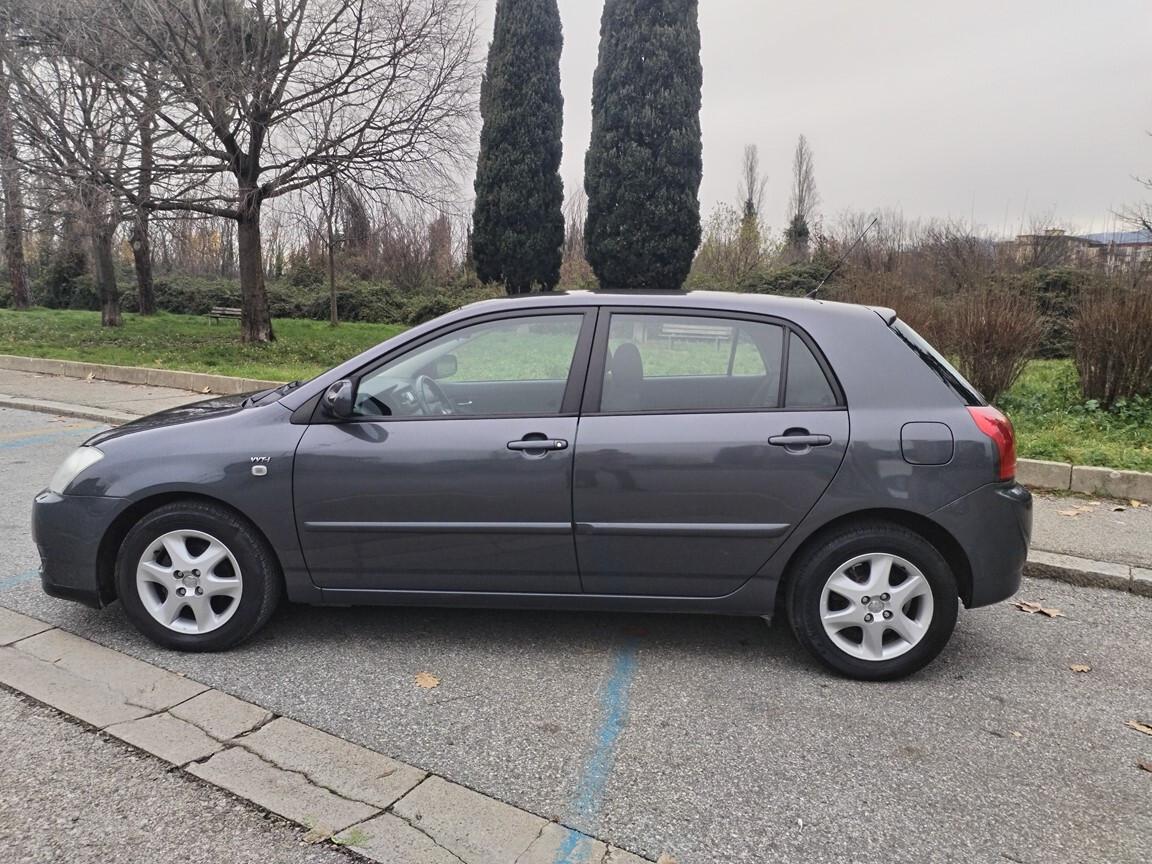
{"points": [[259, 571], [819, 563]]}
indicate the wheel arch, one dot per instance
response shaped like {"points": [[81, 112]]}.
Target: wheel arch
{"points": [[114, 536], [933, 532]]}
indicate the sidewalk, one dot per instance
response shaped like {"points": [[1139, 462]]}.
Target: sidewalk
{"points": [[1092, 530]]}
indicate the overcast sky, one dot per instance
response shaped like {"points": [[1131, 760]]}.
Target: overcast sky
{"points": [[993, 110]]}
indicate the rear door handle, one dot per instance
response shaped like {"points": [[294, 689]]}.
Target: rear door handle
{"points": [[539, 444], [800, 440]]}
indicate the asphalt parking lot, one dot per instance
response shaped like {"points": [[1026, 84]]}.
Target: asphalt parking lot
{"points": [[713, 739]]}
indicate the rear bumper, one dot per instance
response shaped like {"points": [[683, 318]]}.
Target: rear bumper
{"points": [[994, 526], [68, 530]]}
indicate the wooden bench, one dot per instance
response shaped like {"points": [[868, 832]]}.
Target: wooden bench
{"points": [[219, 312], [696, 333]]}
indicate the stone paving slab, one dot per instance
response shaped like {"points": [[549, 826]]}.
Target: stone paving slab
{"points": [[474, 828], [557, 843], [347, 769], [390, 840], [285, 793], [168, 738], [14, 626], [92, 702], [220, 715], [137, 682], [315, 779]]}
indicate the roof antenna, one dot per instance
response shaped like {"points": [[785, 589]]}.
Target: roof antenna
{"points": [[812, 294]]}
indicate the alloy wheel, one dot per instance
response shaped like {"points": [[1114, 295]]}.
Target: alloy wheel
{"points": [[876, 606], [189, 581]]}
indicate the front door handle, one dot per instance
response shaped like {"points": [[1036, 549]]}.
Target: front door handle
{"points": [[538, 444]]}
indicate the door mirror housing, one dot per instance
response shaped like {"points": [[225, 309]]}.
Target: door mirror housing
{"points": [[337, 402]]}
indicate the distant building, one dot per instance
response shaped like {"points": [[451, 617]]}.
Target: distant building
{"points": [[1115, 250]]}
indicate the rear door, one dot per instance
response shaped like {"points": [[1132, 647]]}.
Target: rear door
{"points": [[704, 440]]}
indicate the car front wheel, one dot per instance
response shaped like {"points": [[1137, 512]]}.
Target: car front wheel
{"points": [[195, 576], [876, 602]]}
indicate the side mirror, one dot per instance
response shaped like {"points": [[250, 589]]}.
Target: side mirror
{"points": [[443, 367], [337, 400]]}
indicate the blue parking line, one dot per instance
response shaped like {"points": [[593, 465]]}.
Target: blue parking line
{"points": [[589, 794], [38, 439], [9, 582]]}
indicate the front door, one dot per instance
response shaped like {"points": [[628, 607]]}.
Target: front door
{"points": [[705, 440], [455, 474]]}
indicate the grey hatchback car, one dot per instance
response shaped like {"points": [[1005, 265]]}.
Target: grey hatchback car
{"points": [[697, 452]]}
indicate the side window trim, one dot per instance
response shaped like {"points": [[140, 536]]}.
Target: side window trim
{"points": [[572, 389], [597, 362]]}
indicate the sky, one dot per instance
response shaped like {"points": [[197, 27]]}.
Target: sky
{"points": [[1006, 113]]}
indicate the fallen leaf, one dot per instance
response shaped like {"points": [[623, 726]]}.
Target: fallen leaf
{"points": [[1034, 608], [427, 680], [1072, 513], [665, 858], [1144, 765], [91, 376], [1016, 734], [1080, 667], [206, 390], [1138, 726], [1136, 504]]}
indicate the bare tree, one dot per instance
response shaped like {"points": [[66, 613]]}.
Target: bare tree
{"points": [[140, 238], [575, 271], [752, 185], [76, 140], [10, 184], [803, 201], [263, 99]]}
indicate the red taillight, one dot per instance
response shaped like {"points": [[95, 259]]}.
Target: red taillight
{"points": [[999, 428]]}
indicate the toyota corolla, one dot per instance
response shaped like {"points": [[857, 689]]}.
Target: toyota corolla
{"points": [[701, 452]]}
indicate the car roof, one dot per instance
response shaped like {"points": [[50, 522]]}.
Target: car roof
{"points": [[764, 304]]}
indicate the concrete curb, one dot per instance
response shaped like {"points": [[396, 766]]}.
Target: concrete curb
{"points": [[1088, 479], [67, 409], [197, 382], [1088, 573], [344, 794]]}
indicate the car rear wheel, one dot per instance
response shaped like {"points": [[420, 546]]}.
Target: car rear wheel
{"points": [[875, 602], [194, 576]]}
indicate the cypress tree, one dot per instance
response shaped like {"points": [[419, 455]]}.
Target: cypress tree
{"points": [[518, 223], [643, 168]]}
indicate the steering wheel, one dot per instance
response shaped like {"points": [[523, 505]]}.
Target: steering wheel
{"points": [[431, 396]]}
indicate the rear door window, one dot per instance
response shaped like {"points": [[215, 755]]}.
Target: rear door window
{"points": [[691, 363], [808, 386]]}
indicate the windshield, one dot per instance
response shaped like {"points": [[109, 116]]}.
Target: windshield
{"points": [[938, 364]]}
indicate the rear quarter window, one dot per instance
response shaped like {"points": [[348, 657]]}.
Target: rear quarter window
{"points": [[936, 361]]}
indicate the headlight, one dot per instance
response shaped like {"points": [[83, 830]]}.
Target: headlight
{"points": [[80, 459]]}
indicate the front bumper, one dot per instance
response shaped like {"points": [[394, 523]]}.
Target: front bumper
{"points": [[68, 530], [994, 526]]}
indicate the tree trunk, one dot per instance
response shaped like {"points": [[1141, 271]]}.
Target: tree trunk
{"points": [[142, 258], [333, 312], [255, 323], [13, 202], [105, 271], [140, 240]]}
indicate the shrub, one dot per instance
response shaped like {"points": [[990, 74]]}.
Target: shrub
{"points": [[1113, 341], [992, 332]]}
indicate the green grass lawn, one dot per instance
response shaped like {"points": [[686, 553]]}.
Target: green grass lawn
{"points": [[1053, 422], [302, 348], [1051, 418]]}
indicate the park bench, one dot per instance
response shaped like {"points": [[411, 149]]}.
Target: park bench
{"points": [[219, 312], [695, 333]]}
